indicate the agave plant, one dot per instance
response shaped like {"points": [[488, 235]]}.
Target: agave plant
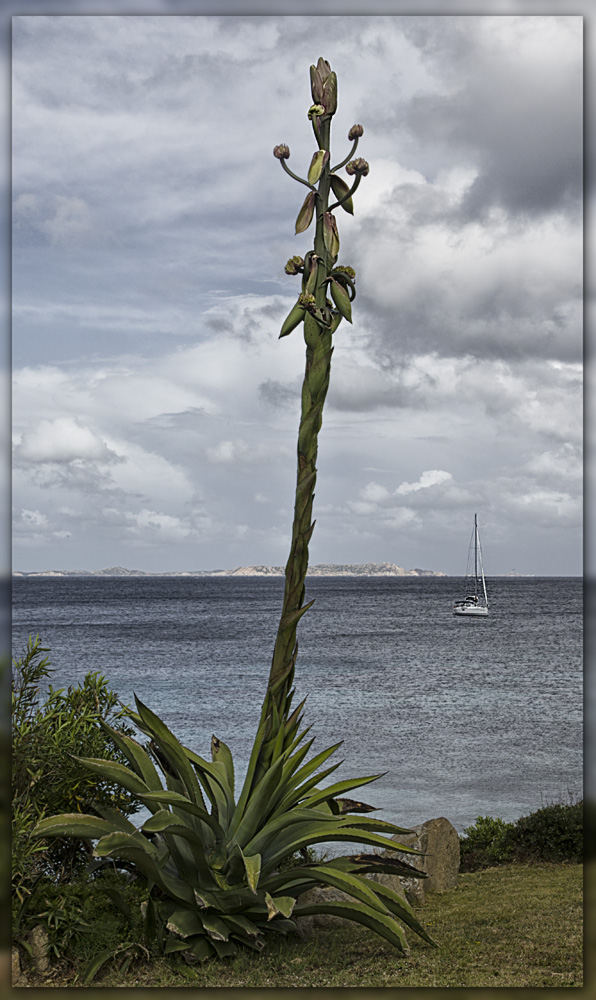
{"points": [[223, 870], [214, 863]]}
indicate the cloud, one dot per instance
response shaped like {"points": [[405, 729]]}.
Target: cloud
{"points": [[433, 477], [63, 440]]}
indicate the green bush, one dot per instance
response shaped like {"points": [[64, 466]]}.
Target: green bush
{"points": [[47, 736], [485, 844], [554, 833]]}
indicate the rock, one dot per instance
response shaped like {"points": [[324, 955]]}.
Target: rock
{"points": [[439, 842], [320, 894], [16, 974], [39, 949]]}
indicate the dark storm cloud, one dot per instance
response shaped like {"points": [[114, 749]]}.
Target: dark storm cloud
{"points": [[518, 120]]}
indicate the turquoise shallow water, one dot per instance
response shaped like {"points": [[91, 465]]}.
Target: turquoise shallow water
{"points": [[464, 717]]}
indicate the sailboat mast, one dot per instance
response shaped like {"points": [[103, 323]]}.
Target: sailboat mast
{"points": [[476, 554]]}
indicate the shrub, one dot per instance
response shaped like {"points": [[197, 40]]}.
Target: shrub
{"points": [[554, 833], [47, 737], [485, 844]]}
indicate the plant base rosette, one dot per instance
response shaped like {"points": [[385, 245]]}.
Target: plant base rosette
{"points": [[219, 869]]}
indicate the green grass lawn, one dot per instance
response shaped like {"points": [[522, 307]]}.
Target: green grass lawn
{"points": [[513, 926]]}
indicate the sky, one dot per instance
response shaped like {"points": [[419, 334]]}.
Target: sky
{"points": [[155, 410]]}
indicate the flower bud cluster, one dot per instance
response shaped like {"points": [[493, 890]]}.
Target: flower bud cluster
{"points": [[346, 269], [282, 152], [358, 166], [355, 132], [294, 265], [307, 301]]}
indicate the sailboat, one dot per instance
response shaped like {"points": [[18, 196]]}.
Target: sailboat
{"points": [[475, 603]]}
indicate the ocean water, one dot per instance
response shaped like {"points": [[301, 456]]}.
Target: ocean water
{"points": [[462, 717]]}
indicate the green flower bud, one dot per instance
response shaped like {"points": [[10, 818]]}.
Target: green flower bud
{"points": [[306, 213], [307, 301], [340, 190], [294, 317], [330, 234], [294, 265], [316, 85], [341, 299], [319, 160], [316, 111], [329, 101], [357, 166], [281, 152], [355, 132]]}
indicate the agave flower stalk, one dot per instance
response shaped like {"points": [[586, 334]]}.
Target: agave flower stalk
{"points": [[212, 856], [325, 299]]}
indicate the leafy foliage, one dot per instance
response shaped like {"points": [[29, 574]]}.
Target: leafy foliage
{"points": [[485, 844], [218, 867], [46, 776], [553, 833]]}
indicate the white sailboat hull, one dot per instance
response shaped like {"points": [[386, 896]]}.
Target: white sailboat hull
{"points": [[471, 612]]}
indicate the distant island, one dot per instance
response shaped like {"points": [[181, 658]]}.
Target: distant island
{"points": [[324, 569]]}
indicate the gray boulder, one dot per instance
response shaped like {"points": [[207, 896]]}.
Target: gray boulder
{"points": [[438, 840]]}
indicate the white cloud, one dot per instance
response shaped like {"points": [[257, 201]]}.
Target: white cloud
{"points": [[62, 440], [433, 477]]}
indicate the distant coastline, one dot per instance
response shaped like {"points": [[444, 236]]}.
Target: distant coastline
{"points": [[385, 569]]}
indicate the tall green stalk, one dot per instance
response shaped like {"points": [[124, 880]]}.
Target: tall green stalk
{"points": [[325, 299]]}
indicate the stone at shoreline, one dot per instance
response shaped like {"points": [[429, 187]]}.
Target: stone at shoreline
{"points": [[439, 841]]}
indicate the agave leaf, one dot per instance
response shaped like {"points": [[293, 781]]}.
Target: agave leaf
{"points": [[185, 922], [258, 805], [118, 840], [338, 788], [216, 928], [175, 754], [174, 944], [279, 904], [201, 948], [266, 837], [250, 772], [295, 795], [113, 771], [136, 756], [161, 820], [221, 753], [380, 826], [73, 825], [302, 835], [280, 925], [384, 924], [306, 213], [223, 949], [239, 923], [354, 885], [341, 299], [340, 190], [400, 908], [180, 801], [366, 864], [252, 864], [352, 806], [114, 816]]}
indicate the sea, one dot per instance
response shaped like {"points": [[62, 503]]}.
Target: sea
{"points": [[461, 717]]}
